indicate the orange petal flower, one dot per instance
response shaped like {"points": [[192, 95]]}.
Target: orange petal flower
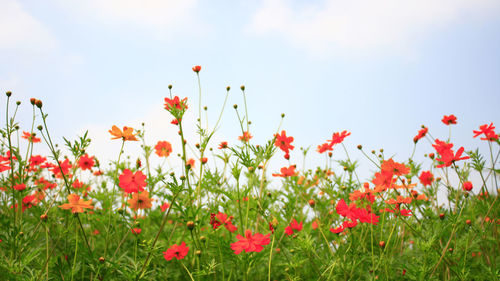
{"points": [[127, 134], [76, 204], [140, 201]]}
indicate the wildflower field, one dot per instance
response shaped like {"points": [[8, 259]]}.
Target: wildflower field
{"points": [[64, 216]]}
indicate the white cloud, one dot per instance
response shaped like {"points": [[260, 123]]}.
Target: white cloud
{"points": [[159, 16], [22, 33], [363, 26]]}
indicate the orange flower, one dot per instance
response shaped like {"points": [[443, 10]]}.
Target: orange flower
{"points": [[140, 201], [126, 135], [245, 137], [76, 204], [163, 148]]}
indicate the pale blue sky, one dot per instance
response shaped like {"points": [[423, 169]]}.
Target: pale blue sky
{"points": [[379, 69]]}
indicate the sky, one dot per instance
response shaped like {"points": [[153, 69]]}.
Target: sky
{"points": [[379, 69]]}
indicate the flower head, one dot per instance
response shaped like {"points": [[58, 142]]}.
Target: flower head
{"points": [[250, 243], [140, 201], [163, 148], [176, 251], [76, 204], [132, 182], [196, 68], [488, 131], [284, 142], [450, 119], [31, 137], [127, 134], [86, 162], [426, 178], [286, 172], [245, 137]]}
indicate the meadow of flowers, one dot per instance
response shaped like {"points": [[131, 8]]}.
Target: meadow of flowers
{"points": [[66, 217]]}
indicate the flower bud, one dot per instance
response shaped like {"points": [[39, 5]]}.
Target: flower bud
{"points": [[38, 103], [170, 86], [312, 203], [44, 217], [441, 216], [102, 259], [360, 146], [8, 93], [190, 225], [242, 87], [40, 127], [18, 102], [381, 244], [228, 88]]}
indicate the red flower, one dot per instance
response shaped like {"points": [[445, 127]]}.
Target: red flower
{"points": [[136, 231], [223, 219], [488, 131], [421, 134], [163, 148], [250, 243], [164, 207], [467, 186], [395, 168], [426, 178], [338, 138], [284, 142], [337, 229], [384, 179], [354, 213], [223, 145], [176, 103], [28, 202], [325, 147], [294, 225], [245, 137], [20, 187], [448, 157], [448, 120], [31, 137], [176, 251], [65, 166], [131, 182], [86, 162], [196, 68], [287, 172]]}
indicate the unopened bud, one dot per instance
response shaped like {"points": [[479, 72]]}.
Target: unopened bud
{"points": [[38, 103], [32, 101], [242, 87], [360, 146], [170, 87], [18, 102], [228, 88], [8, 93], [190, 225]]}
